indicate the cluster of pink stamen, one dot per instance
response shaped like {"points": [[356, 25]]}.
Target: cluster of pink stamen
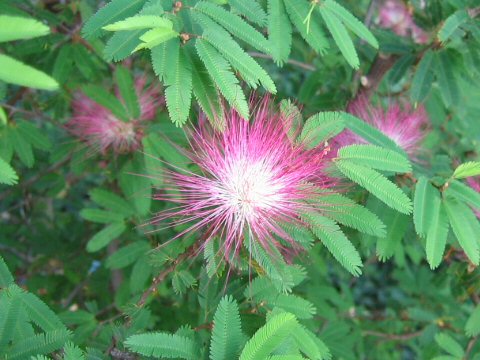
{"points": [[253, 179], [395, 15], [102, 130], [404, 125]]}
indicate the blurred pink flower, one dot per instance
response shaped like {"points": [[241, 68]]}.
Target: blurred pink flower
{"points": [[474, 183], [102, 130], [395, 15], [253, 179], [405, 126]]}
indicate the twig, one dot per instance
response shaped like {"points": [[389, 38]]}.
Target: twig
{"points": [[160, 277], [393, 337], [470, 346], [291, 62]]}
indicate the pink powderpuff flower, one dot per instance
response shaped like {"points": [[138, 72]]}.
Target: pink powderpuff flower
{"points": [[395, 15], [253, 179], [102, 130], [406, 126], [474, 183]]}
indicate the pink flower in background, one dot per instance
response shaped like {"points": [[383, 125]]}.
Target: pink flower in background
{"points": [[395, 15], [474, 183], [405, 126], [102, 130], [253, 179]]}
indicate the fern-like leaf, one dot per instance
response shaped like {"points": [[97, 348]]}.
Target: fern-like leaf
{"points": [[250, 70], [310, 344], [465, 226], [436, 234], [425, 197], [179, 85], [269, 336], [340, 35], [351, 22], [251, 9], [347, 212], [227, 331], [8, 176], [72, 352], [279, 31], [376, 157], [43, 343], [321, 127], [235, 25], [301, 308], [315, 37], [6, 278], [40, 313], [377, 184], [462, 192], [113, 11], [335, 241], [163, 345], [221, 73]]}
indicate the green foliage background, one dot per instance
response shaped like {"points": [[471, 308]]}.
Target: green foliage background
{"points": [[82, 275]]}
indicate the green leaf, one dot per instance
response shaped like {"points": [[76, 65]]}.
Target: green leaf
{"points": [[43, 343], [437, 233], [462, 192], [376, 157], [106, 99], [140, 22], [450, 345], [446, 78], [321, 127], [220, 71], [472, 327], [6, 278], [397, 224], [160, 58], [155, 37], [100, 216], [309, 344], [465, 226], [340, 36], [377, 184], [111, 202], [248, 68], [227, 331], [179, 85], [40, 313], [15, 72], [301, 308], [127, 255], [153, 164], [33, 135], [346, 212], [269, 336], [314, 35], [122, 44], [72, 352], [18, 28], [471, 168], [350, 21], [115, 10], [251, 9], [8, 176], [206, 93], [128, 92], [423, 78], [105, 236], [369, 133], [279, 32], [10, 319], [451, 24], [23, 148], [425, 197], [163, 345], [235, 25], [335, 241], [136, 185]]}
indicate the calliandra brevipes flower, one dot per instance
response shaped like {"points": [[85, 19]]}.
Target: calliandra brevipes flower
{"points": [[102, 130], [253, 179], [395, 15], [404, 125], [474, 183]]}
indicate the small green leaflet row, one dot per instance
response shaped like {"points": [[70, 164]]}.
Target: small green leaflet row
{"points": [[199, 45]]}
